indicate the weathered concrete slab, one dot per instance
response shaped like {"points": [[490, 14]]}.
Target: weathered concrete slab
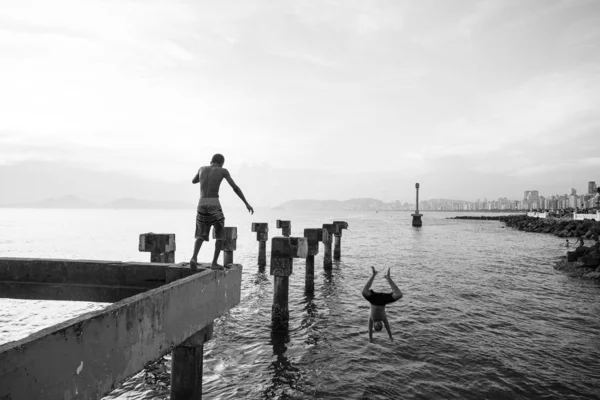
{"points": [[85, 357], [78, 280]]}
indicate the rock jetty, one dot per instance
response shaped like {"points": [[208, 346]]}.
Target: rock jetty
{"points": [[561, 227]]}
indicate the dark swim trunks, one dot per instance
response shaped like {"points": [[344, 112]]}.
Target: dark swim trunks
{"points": [[210, 214], [379, 299]]}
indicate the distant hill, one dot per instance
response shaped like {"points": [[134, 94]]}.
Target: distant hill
{"points": [[74, 202]]}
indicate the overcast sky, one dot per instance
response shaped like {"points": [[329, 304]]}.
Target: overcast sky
{"points": [[306, 99]]}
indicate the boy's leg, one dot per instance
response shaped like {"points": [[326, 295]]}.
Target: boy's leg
{"points": [[218, 247], [395, 289], [201, 235], [194, 260], [219, 236]]}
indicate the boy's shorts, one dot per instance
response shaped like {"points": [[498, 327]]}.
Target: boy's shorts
{"points": [[210, 215]]}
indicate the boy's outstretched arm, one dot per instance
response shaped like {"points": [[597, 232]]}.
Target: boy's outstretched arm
{"points": [[237, 190], [387, 328], [370, 329]]}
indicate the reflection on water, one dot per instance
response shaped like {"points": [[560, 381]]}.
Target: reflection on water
{"points": [[484, 315]]}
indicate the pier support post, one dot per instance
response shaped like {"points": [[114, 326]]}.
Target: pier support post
{"points": [[160, 245], [337, 249], [286, 227], [229, 244], [416, 222], [313, 237], [262, 235], [328, 231], [283, 251], [186, 366]]}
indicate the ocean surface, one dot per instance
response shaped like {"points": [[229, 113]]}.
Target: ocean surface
{"points": [[484, 314]]}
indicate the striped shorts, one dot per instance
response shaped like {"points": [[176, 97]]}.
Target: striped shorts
{"points": [[207, 216]]}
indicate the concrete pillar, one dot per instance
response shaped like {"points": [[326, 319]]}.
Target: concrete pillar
{"points": [[337, 250], [283, 251], [229, 244], [313, 237], [160, 245], [328, 231], [262, 235], [286, 227], [416, 222], [186, 366]]}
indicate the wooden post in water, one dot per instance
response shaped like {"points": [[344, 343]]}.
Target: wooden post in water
{"points": [[337, 249], [286, 227], [283, 251], [262, 235], [160, 245], [313, 237], [416, 222], [328, 231]]}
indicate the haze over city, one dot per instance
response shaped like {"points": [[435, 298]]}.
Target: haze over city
{"points": [[313, 99]]}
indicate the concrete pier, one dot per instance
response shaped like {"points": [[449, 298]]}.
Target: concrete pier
{"points": [[328, 231], [158, 308], [262, 235], [286, 227], [416, 222], [160, 245], [283, 251], [337, 248], [313, 237]]}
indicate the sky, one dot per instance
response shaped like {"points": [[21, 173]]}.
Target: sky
{"points": [[312, 99]]}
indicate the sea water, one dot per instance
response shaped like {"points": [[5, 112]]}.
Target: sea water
{"points": [[484, 314]]}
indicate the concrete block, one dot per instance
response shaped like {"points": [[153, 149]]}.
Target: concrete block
{"points": [[299, 247], [280, 247], [260, 227], [331, 228], [313, 236], [157, 242], [230, 233], [341, 224], [283, 224]]}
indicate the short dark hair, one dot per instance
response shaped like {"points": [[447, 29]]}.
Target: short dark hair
{"points": [[218, 159]]}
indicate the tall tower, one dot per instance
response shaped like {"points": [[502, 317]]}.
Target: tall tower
{"points": [[416, 216], [591, 187]]}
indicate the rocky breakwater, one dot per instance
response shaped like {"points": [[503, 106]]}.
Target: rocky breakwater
{"points": [[561, 227]]}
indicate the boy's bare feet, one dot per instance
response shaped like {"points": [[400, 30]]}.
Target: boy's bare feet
{"points": [[193, 264], [216, 266]]}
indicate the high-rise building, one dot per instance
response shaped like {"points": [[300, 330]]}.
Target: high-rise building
{"points": [[591, 187], [573, 192]]}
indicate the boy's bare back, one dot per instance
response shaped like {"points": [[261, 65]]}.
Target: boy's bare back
{"points": [[210, 180]]}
